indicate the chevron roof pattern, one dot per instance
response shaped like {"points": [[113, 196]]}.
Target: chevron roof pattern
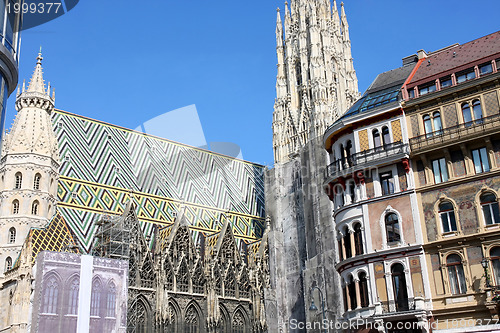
{"points": [[103, 166]]}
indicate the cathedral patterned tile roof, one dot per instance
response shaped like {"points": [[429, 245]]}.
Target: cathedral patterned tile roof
{"points": [[56, 237], [103, 166]]}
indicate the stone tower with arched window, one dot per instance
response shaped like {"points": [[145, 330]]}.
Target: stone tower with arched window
{"points": [[28, 168], [316, 81]]}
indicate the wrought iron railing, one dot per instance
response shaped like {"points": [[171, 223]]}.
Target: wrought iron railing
{"points": [[456, 133], [366, 158]]}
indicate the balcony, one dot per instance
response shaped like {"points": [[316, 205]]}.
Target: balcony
{"points": [[368, 158], [456, 134]]}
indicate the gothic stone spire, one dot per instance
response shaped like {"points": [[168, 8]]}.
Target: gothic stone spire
{"points": [[316, 82]]}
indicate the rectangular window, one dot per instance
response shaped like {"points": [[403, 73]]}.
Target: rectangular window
{"points": [[485, 69], [440, 171], [445, 82], [387, 183], [427, 89], [465, 76], [411, 93], [480, 158]]}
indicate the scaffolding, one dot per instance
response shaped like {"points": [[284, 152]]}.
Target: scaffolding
{"points": [[113, 237]]}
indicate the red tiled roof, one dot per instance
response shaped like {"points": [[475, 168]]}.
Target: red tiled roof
{"points": [[442, 61]]}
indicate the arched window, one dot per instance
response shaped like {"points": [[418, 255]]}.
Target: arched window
{"points": [[351, 288], [358, 239], [427, 125], [363, 290], [447, 216], [15, 207], [466, 114], [495, 263], [19, 181], [74, 288], [238, 323], [489, 206], [348, 147], [50, 296], [392, 228], [376, 138], [12, 235], [36, 181], [298, 73], [34, 208], [347, 243], [95, 299], [8, 264], [436, 120], [399, 287], [111, 301], [139, 316], [352, 191], [191, 321], [171, 326], [477, 111], [386, 137], [456, 274]]}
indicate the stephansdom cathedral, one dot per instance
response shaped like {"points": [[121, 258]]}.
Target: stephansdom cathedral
{"points": [[203, 252]]}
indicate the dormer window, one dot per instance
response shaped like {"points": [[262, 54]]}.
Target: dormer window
{"points": [[445, 82], [428, 88], [466, 75], [485, 69]]}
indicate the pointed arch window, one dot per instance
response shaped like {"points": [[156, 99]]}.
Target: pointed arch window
{"points": [[74, 288], [363, 289], [111, 301], [192, 321], [8, 264], [456, 274], [34, 208], [392, 228], [15, 207], [51, 295], [358, 239], [239, 323], [399, 287], [495, 263], [447, 216], [12, 235], [36, 181], [95, 299], [19, 181], [489, 206]]}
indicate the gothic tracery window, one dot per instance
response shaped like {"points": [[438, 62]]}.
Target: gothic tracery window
{"points": [[191, 321], [73, 296], [183, 277], [238, 322], [95, 301], [111, 301], [50, 296]]}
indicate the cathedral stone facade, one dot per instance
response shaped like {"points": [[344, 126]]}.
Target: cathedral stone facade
{"points": [[316, 83]]}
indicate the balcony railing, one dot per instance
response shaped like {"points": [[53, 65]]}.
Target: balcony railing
{"points": [[367, 158], [452, 135]]}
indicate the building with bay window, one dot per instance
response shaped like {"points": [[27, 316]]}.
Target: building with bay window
{"points": [[369, 180]]}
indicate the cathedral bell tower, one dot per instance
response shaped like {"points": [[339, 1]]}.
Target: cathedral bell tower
{"points": [[316, 81], [28, 168]]}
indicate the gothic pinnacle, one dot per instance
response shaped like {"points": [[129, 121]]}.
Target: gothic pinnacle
{"points": [[36, 83]]}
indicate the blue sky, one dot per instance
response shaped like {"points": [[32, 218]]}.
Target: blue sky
{"points": [[125, 62]]}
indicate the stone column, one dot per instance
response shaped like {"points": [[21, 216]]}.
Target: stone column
{"points": [[358, 295], [353, 246]]}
